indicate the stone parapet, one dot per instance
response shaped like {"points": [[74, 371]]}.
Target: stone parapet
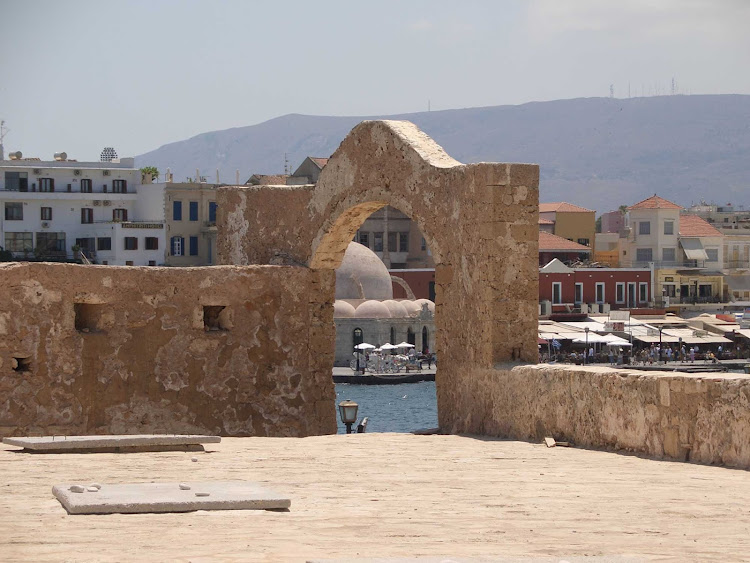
{"points": [[703, 418]]}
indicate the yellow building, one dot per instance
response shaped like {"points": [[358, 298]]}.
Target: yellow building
{"points": [[571, 222], [191, 224]]}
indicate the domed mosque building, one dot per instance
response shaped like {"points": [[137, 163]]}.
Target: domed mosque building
{"points": [[365, 311]]}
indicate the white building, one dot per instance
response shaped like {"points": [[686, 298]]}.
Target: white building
{"points": [[52, 209]]}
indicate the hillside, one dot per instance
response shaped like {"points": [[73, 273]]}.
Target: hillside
{"points": [[596, 152]]}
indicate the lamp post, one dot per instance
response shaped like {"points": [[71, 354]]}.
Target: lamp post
{"points": [[679, 348], [586, 351], [661, 352], [348, 414]]}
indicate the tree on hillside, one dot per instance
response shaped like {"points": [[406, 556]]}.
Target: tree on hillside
{"points": [[150, 170]]}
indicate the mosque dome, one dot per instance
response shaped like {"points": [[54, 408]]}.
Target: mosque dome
{"points": [[342, 310], [398, 311], [362, 275], [412, 307], [430, 305], [372, 310]]}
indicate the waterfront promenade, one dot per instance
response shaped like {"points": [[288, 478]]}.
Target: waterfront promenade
{"points": [[387, 495]]}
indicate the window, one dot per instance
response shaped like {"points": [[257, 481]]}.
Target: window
{"points": [[87, 214], [403, 242], [177, 211], [120, 186], [556, 292], [668, 290], [14, 211], [423, 245], [193, 211], [713, 254], [17, 181], [46, 185], [46, 214], [131, 243], [644, 228], [19, 242], [119, 214], [86, 187], [152, 262], [50, 242], [579, 293], [104, 243], [631, 294], [364, 239], [176, 245], [193, 246], [620, 292], [583, 241], [392, 240], [600, 292], [212, 206], [643, 292], [86, 244], [668, 254], [644, 255], [378, 242], [128, 262], [668, 227], [152, 243]]}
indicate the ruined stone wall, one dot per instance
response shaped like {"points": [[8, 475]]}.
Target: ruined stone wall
{"points": [[479, 220], [100, 349], [703, 418]]}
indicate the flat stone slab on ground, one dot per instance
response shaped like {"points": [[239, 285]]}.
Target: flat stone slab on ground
{"points": [[134, 442], [135, 498]]}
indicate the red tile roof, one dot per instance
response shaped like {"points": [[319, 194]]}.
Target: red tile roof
{"points": [[543, 221], [562, 207], [694, 226], [549, 243], [655, 202], [321, 162]]}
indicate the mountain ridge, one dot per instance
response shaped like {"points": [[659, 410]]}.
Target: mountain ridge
{"points": [[596, 152]]}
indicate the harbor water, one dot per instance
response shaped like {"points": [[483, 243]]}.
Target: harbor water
{"points": [[391, 408]]}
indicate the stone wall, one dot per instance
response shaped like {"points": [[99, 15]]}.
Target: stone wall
{"points": [[102, 349], [479, 220], [703, 418]]}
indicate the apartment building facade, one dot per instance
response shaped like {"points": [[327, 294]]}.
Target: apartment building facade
{"points": [[191, 223], [63, 209]]}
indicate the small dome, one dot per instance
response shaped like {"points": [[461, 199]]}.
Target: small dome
{"points": [[372, 310], [342, 310], [430, 304], [362, 275], [397, 309], [412, 308]]}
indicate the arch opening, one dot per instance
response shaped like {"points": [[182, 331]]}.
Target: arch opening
{"points": [[382, 285]]}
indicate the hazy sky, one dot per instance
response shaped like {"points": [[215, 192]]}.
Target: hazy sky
{"points": [[78, 75]]}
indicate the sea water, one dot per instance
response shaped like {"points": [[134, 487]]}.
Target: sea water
{"points": [[404, 407]]}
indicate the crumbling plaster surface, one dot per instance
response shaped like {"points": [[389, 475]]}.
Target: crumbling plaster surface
{"points": [[703, 418], [148, 365], [480, 222]]}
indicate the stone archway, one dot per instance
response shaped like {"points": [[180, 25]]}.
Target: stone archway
{"points": [[480, 221]]}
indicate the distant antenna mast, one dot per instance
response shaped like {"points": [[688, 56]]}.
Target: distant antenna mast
{"points": [[286, 164], [611, 90], [3, 133], [673, 85]]}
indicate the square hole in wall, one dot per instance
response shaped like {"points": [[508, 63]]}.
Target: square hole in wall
{"points": [[21, 364], [215, 317], [88, 317]]}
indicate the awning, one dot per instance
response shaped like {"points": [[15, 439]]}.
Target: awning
{"points": [[693, 249]]}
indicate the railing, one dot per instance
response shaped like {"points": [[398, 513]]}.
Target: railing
{"points": [[658, 264]]}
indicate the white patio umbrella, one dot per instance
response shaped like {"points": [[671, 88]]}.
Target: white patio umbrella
{"points": [[388, 346], [364, 346], [404, 345]]}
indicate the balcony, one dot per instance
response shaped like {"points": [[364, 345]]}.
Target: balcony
{"points": [[669, 264]]}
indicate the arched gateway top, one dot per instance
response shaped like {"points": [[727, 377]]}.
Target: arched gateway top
{"points": [[480, 221]]}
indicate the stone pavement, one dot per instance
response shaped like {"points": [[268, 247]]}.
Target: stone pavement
{"points": [[387, 495]]}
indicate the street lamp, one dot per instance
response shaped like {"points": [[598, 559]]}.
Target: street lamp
{"points": [[586, 350], [348, 413], [661, 351]]}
